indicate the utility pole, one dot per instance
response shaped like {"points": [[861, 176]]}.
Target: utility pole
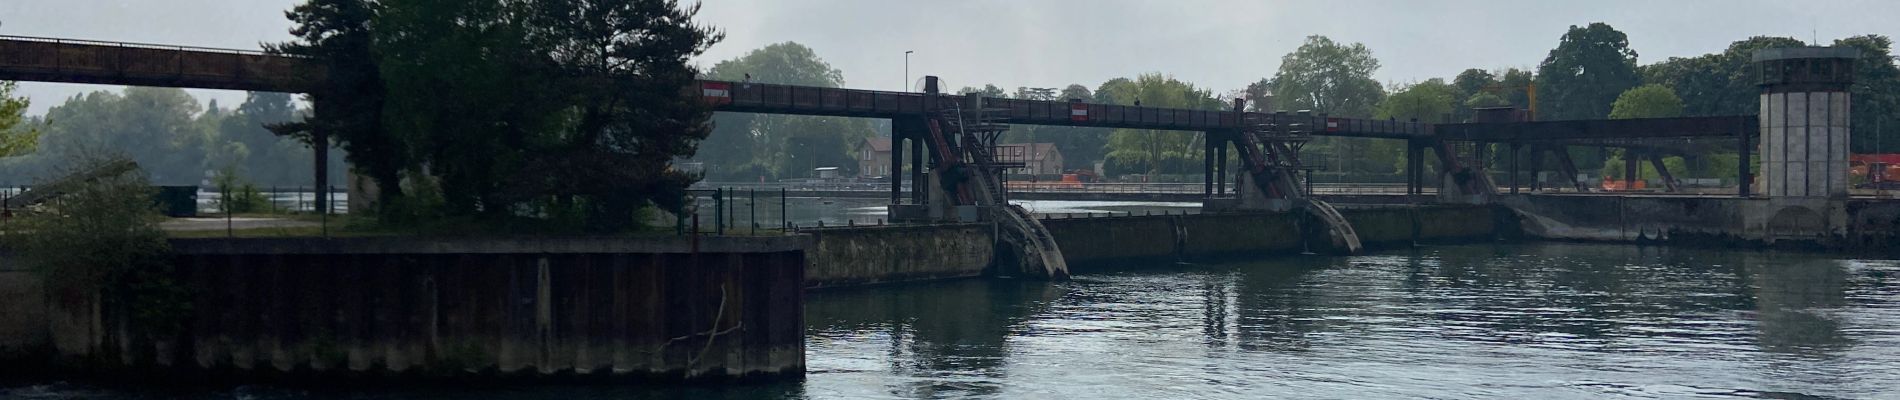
{"points": [[907, 69]]}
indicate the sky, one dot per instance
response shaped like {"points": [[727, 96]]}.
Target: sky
{"points": [[1219, 45]]}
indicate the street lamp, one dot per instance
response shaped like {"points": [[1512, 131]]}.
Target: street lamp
{"points": [[907, 69]]}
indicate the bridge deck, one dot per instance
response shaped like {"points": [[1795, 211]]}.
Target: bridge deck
{"points": [[80, 61], [25, 58]]}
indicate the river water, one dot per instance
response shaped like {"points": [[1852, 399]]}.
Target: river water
{"points": [[1545, 321]]}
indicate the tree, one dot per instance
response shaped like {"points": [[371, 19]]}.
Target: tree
{"points": [[1485, 100], [17, 135], [1583, 75], [1472, 81], [1156, 151], [1427, 101], [1716, 84], [1329, 78], [154, 127], [746, 146], [347, 108], [1647, 101], [1876, 95], [621, 137], [988, 90], [1516, 85], [245, 144]]}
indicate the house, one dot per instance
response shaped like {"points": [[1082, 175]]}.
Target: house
{"points": [[1035, 158], [874, 157]]}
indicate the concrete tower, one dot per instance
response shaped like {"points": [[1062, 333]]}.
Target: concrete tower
{"points": [[1804, 120], [1804, 143]]}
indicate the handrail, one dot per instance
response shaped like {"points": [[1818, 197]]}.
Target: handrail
{"points": [[142, 45]]}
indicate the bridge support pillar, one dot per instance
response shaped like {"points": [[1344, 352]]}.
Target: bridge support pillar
{"points": [[1414, 169], [896, 173], [1516, 151], [1207, 165], [1631, 171], [1220, 167]]}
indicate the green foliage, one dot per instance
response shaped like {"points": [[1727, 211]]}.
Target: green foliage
{"points": [[1719, 83], [1517, 85], [1583, 75], [1328, 77], [1428, 101], [1647, 101], [1335, 79], [348, 108], [988, 90], [746, 147], [1472, 81], [174, 139], [1157, 151], [1876, 95], [154, 126], [1485, 100], [102, 239], [17, 135], [1646, 170], [542, 108], [237, 195]]}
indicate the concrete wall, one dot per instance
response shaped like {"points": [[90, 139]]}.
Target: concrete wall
{"points": [[1379, 226], [1874, 225], [607, 308], [1628, 218], [899, 253], [1095, 242], [23, 333], [1219, 236], [1859, 224]]}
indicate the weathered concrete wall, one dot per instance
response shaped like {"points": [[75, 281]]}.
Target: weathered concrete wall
{"points": [[1874, 225], [898, 253], [23, 333], [1092, 241], [1627, 218], [1852, 225], [1218, 236], [1392, 225], [1096, 242], [609, 308]]}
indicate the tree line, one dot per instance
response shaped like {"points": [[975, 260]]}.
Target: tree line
{"points": [[168, 133]]}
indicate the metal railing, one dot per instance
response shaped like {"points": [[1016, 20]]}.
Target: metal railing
{"points": [[138, 45]]}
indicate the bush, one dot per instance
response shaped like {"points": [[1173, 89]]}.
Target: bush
{"points": [[101, 238], [237, 195]]}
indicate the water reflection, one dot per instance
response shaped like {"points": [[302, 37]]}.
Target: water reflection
{"points": [[1550, 320]]}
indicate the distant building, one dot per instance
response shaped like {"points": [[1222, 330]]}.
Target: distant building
{"points": [[874, 157], [1036, 158]]}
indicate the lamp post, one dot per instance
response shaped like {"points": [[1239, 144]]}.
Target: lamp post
{"points": [[907, 69]]}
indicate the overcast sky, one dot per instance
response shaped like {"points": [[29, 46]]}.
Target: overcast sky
{"points": [[1221, 45]]}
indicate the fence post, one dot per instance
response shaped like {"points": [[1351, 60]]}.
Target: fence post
{"points": [[719, 211]]}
